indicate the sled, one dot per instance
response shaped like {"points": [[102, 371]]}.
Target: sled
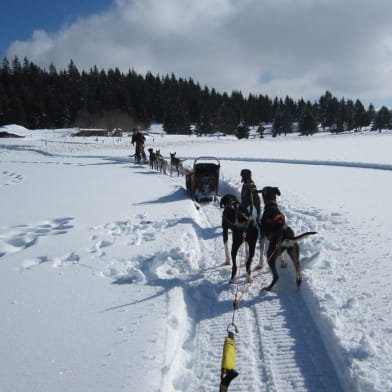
{"points": [[202, 182]]}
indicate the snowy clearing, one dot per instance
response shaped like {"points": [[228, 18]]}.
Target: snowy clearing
{"points": [[112, 280]]}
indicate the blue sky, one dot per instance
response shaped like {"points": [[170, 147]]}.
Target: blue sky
{"points": [[19, 18], [295, 48]]}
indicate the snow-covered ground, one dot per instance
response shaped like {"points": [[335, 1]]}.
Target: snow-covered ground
{"points": [[112, 280]]}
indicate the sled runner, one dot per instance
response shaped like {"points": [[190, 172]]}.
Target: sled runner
{"points": [[202, 181]]}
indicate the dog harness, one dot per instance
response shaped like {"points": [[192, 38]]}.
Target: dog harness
{"points": [[278, 218]]}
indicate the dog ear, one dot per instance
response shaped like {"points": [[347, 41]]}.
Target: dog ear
{"points": [[277, 191], [226, 199], [223, 201]]}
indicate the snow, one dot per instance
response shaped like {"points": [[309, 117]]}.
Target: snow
{"points": [[112, 280]]}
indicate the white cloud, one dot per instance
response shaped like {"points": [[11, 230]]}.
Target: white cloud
{"points": [[305, 46]]}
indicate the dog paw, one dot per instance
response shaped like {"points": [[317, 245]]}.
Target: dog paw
{"points": [[249, 279], [228, 262], [232, 280], [260, 266]]}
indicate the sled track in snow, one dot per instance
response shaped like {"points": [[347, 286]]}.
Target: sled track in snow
{"points": [[279, 347]]}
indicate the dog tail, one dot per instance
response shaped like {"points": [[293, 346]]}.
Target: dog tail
{"points": [[289, 242]]}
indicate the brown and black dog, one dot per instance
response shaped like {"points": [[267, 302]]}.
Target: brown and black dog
{"points": [[244, 228], [176, 163], [153, 159], [281, 237], [163, 164]]}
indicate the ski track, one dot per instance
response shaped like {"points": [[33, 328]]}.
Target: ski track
{"points": [[279, 347]]}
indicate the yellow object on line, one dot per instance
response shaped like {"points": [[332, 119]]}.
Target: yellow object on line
{"points": [[229, 354]]}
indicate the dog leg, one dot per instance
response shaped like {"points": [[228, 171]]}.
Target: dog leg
{"points": [[233, 272], [234, 249], [261, 261], [272, 256], [283, 263], [294, 255], [251, 252], [228, 260], [275, 276], [246, 245]]}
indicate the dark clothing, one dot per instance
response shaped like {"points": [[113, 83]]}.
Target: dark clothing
{"points": [[138, 138], [250, 198]]}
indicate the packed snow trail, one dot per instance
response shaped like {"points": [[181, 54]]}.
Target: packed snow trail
{"points": [[279, 348]]}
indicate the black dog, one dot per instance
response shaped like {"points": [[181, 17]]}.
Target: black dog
{"points": [[280, 235], [244, 228]]}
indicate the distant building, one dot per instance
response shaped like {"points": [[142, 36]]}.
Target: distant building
{"points": [[117, 132]]}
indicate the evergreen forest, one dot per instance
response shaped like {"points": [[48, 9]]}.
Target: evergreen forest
{"points": [[106, 99]]}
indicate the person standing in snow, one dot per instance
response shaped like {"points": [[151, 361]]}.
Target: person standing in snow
{"points": [[139, 139], [249, 196]]}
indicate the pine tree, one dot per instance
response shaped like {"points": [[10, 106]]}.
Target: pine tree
{"points": [[371, 113], [225, 119], [360, 115], [283, 122], [307, 123], [383, 119], [277, 126], [287, 120], [204, 126], [348, 115]]}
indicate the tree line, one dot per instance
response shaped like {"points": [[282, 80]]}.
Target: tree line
{"points": [[49, 98]]}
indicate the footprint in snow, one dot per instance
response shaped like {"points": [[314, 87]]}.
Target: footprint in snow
{"points": [[11, 178], [17, 238]]}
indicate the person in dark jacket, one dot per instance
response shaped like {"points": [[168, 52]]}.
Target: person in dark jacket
{"points": [[139, 139], [249, 196]]}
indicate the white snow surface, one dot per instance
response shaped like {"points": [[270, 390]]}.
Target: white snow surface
{"points": [[112, 280]]}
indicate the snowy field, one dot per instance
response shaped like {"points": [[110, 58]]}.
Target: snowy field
{"points": [[112, 280]]}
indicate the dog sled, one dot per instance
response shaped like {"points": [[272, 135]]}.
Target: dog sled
{"points": [[202, 182]]}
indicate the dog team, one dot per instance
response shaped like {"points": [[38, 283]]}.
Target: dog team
{"points": [[158, 162], [271, 225], [156, 159], [238, 217]]}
